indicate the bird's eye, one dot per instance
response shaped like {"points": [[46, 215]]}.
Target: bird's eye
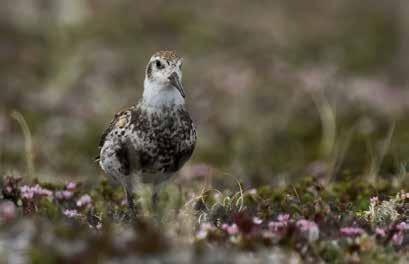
{"points": [[159, 65]]}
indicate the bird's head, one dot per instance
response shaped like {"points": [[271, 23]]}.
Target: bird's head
{"points": [[163, 78]]}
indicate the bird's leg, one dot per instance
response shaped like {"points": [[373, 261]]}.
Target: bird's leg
{"points": [[130, 196], [155, 197], [129, 200]]}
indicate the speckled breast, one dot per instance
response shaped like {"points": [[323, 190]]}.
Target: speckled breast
{"points": [[166, 139]]}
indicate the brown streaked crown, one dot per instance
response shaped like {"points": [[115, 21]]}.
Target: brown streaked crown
{"points": [[167, 54]]}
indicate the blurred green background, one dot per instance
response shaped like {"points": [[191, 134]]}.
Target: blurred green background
{"points": [[279, 90]]}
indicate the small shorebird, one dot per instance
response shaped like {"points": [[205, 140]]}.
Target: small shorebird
{"points": [[151, 140]]}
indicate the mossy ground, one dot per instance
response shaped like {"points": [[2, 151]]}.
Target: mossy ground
{"points": [[190, 225]]}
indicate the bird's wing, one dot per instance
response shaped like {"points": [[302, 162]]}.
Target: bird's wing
{"points": [[119, 120], [190, 142]]}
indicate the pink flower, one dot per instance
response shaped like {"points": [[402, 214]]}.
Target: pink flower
{"points": [[231, 229], [305, 225], [257, 220], [374, 200], [204, 230], [283, 217], [8, 211], [26, 192], [64, 195], [397, 238], [351, 231], [8, 189], [380, 232], [309, 229], [84, 200], [71, 213], [201, 234], [38, 190], [402, 226], [71, 186], [29, 193]]}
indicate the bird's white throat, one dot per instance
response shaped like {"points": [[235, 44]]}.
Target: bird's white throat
{"points": [[158, 95]]}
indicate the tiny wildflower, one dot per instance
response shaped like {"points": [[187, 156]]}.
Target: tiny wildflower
{"points": [[402, 226], [8, 189], [29, 193], [64, 195], [231, 229], [26, 192], [71, 213], [71, 186], [309, 229], [380, 232], [84, 200], [374, 200], [283, 217], [397, 238], [351, 231], [204, 230]]}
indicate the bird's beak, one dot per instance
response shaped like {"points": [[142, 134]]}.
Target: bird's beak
{"points": [[174, 81]]}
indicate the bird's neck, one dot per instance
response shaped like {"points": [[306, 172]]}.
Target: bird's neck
{"points": [[160, 96]]}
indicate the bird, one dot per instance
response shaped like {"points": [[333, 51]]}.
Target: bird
{"points": [[151, 140]]}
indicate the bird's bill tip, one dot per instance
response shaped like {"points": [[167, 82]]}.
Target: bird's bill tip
{"points": [[175, 81]]}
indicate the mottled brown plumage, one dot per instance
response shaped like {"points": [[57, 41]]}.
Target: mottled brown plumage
{"points": [[153, 139]]}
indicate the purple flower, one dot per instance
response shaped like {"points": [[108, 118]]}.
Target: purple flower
{"points": [[402, 226], [71, 213], [84, 200], [204, 230], [8, 211], [380, 232], [38, 190], [71, 186], [8, 189], [26, 192], [280, 225], [64, 195], [351, 231], [374, 200], [397, 238], [231, 229], [283, 217], [309, 229], [29, 193]]}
